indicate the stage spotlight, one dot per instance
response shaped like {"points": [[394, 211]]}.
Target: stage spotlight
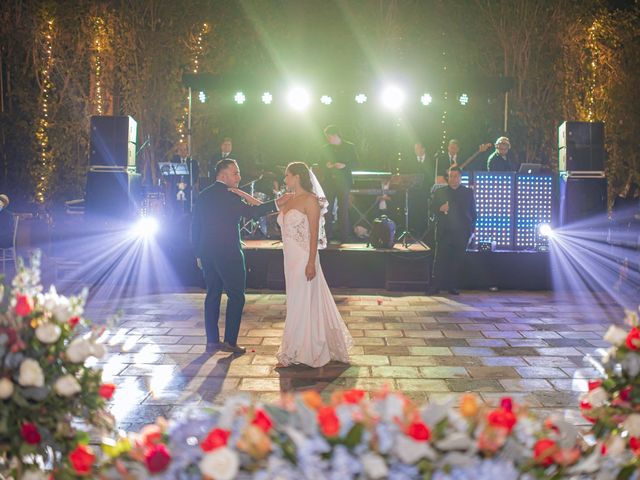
{"points": [[202, 97], [267, 98], [392, 97], [239, 98], [361, 98], [326, 100], [464, 99], [299, 98], [545, 230], [145, 227], [426, 99]]}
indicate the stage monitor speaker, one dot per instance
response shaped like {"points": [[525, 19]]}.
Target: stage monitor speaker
{"points": [[581, 147], [113, 141], [582, 198], [112, 194]]}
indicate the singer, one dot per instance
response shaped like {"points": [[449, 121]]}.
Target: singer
{"points": [[454, 208]]}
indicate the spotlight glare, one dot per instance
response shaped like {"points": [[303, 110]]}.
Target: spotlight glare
{"points": [[426, 99], [299, 98], [267, 98], [145, 227], [240, 98], [326, 100], [202, 97], [464, 99], [361, 98], [392, 97], [545, 230]]}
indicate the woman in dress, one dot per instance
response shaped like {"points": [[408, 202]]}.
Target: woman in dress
{"points": [[314, 332]]}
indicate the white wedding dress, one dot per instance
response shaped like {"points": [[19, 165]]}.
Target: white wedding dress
{"points": [[314, 332]]}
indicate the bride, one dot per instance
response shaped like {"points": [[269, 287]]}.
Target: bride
{"points": [[314, 332]]}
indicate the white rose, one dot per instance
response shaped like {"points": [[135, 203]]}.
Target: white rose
{"points": [[6, 388], [616, 336], [79, 350], [616, 446], [632, 425], [98, 350], [221, 464], [30, 374], [58, 305], [374, 466], [410, 451], [67, 386], [597, 397], [35, 475], [48, 332]]}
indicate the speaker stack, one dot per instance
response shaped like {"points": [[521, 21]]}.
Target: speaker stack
{"points": [[581, 159], [113, 187]]}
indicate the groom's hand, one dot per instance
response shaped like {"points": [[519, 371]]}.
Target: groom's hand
{"points": [[310, 271], [284, 198]]}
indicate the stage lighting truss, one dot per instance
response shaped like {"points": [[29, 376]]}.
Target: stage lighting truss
{"points": [[494, 205], [426, 99], [239, 98], [267, 98], [360, 98], [533, 208], [326, 100]]}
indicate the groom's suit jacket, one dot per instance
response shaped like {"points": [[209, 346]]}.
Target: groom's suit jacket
{"points": [[215, 228]]}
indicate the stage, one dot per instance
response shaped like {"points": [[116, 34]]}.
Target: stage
{"points": [[354, 265]]}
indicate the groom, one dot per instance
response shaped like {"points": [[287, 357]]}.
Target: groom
{"points": [[215, 234]]}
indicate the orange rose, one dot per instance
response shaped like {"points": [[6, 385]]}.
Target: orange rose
{"points": [[469, 405]]}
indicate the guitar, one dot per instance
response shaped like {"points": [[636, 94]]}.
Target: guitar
{"points": [[440, 180]]}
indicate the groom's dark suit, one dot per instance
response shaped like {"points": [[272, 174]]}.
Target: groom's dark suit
{"points": [[215, 234]]}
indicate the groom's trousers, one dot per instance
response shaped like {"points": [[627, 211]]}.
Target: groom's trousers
{"points": [[224, 272]]}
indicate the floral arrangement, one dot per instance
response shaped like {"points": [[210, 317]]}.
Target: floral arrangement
{"points": [[44, 386], [46, 391]]}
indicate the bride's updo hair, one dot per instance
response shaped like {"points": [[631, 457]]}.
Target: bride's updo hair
{"points": [[301, 169]]}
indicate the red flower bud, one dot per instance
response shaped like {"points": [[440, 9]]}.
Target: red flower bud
{"points": [[507, 403], [24, 305], [328, 421], [502, 418], [353, 396], [82, 459], [633, 339], [215, 439], [634, 445], [419, 431], [30, 433], [543, 451], [625, 393], [73, 321], [157, 458], [262, 421], [106, 390], [593, 384]]}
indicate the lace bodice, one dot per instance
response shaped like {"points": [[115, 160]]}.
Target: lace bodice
{"points": [[295, 227]]}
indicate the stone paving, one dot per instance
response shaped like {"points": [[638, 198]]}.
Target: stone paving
{"points": [[532, 346]]}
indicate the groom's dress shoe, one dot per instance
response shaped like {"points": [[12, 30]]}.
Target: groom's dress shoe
{"points": [[213, 347], [226, 347]]}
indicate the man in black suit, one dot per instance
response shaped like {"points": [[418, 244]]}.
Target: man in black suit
{"points": [[6, 223], [340, 158], [215, 234], [444, 161], [454, 208], [226, 151], [418, 164]]}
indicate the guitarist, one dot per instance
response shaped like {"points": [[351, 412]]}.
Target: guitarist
{"points": [[451, 159]]}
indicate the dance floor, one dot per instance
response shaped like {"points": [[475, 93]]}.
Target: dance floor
{"points": [[533, 346]]}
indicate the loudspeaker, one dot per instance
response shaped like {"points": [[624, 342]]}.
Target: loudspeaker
{"points": [[581, 147], [113, 141], [582, 198], [112, 194]]}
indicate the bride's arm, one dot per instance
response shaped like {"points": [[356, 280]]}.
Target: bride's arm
{"points": [[248, 198], [313, 215]]}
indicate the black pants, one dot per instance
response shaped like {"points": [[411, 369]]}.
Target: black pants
{"points": [[339, 192], [224, 273], [449, 260]]}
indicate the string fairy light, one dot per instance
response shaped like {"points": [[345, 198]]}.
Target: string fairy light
{"points": [[593, 68], [45, 53], [443, 121], [197, 48], [99, 44]]}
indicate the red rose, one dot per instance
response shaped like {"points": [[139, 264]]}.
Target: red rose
{"points": [[633, 339], [262, 421], [157, 458], [625, 394], [634, 445], [106, 390], [502, 418], [543, 451], [585, 406], [30, 433], [353, 396], [507, 403], [73, 321], [328, 421], [217, 438], [419, 431], [82, 459], [24, 305], [593, 384]]}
